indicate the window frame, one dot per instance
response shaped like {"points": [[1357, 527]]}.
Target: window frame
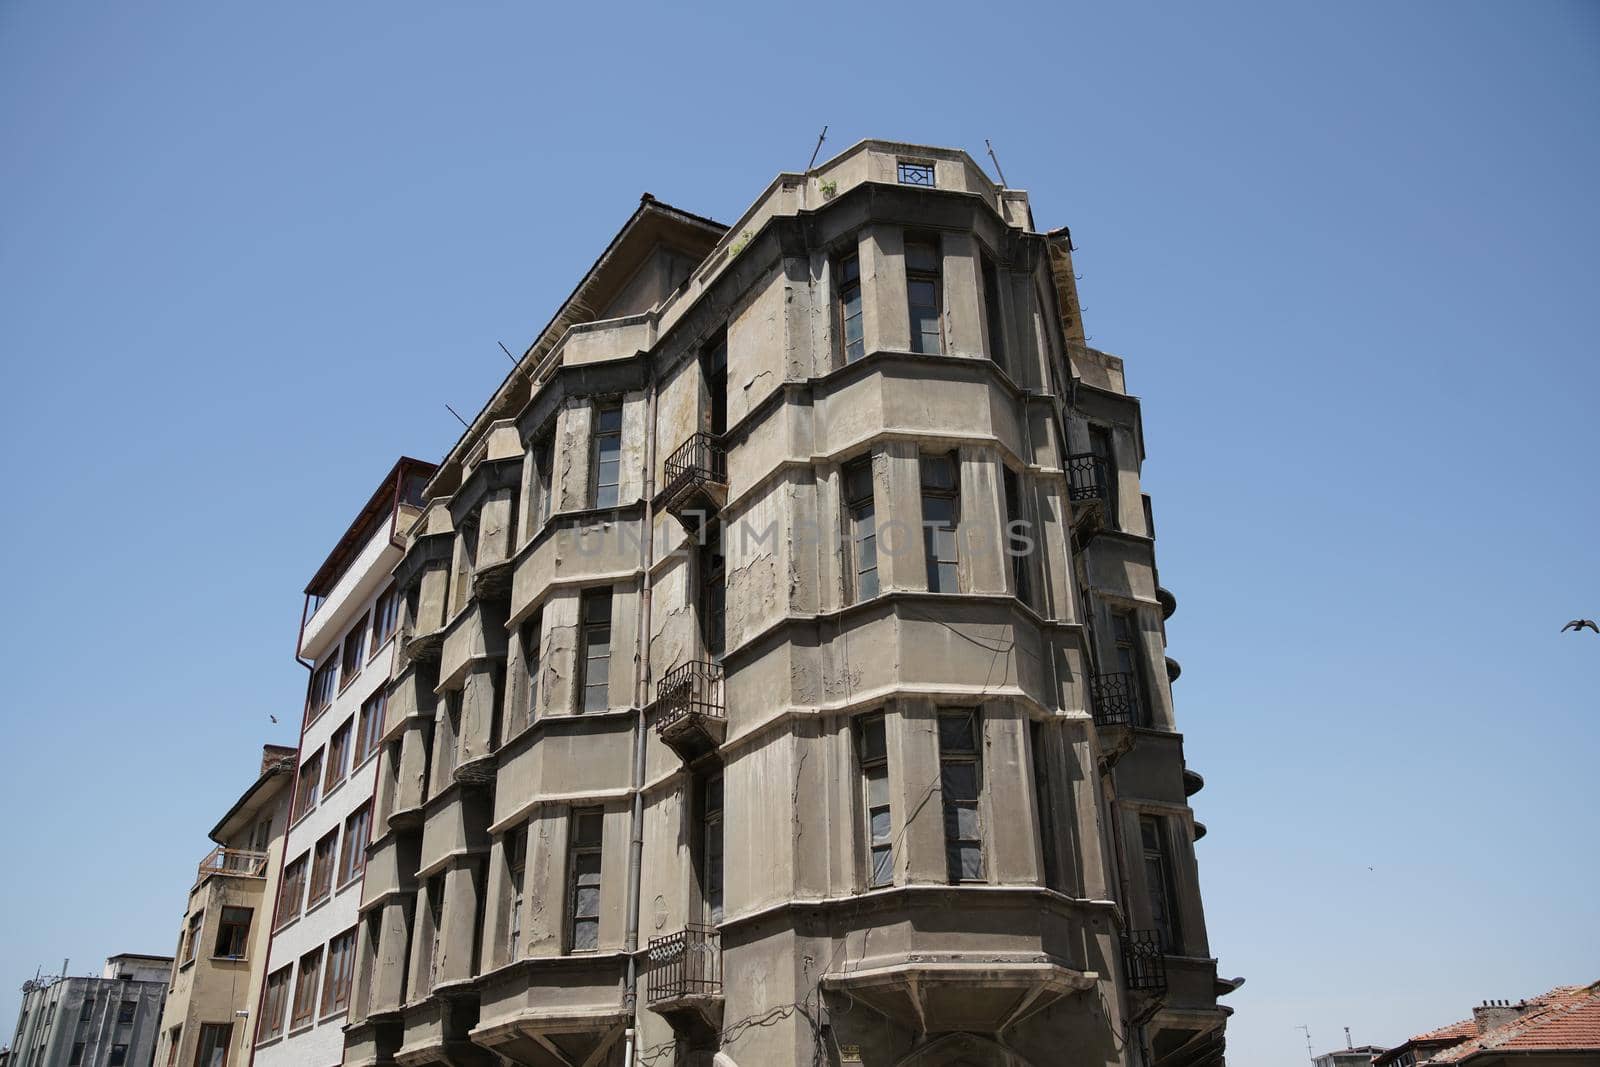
{"points": [[516, 849], [238, 929], [579, 850], [599, 436], [370, 721], [337, 762], [993, 310], [385, 621], [871, 767], [224, 1046], [712, 875], [307, 783], [847, 268], [860, 514], [591, 625], [338, 971], [275, 1003], [323, 687], [712, 604], [353, 848], [933, 277], [1164, 893], [294, 875], [296, 1018], [1021, 578], [323, 864], [951, 495], [353, 658], [952, 759]]}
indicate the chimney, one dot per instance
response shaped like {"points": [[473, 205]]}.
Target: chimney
{"points": [[1493, 1013], [272, 755]]}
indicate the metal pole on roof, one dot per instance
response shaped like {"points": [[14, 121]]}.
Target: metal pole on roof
{"points": [[1309, 1054], [820, 138], [996, 160]]}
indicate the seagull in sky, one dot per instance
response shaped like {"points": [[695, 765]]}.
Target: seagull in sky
{"points": [[1581, 624]]}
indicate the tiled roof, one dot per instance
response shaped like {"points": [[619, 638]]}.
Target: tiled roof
{"points": [[1454, 1032], [1567, 1018]]}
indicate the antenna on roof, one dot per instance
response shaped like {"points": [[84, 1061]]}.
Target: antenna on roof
{"points": [[1309, 1054], [459, 419], [996, 160], [820, 138], [507, 351]]}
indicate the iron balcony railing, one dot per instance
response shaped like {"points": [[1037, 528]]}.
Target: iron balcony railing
{"points": [[1086, 477], [1116, 699], [694, 688], [235, 862], [698, 461], [687, 963], [1144, 959]]}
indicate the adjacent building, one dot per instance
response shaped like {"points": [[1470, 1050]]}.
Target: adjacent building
{"points": [[1351, 1056], [346, 641], [109, 1021], [1560, 1028], [222, 940], [782, 673]]}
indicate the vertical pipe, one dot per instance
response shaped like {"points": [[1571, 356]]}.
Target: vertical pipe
{"points": [[641, 687]]}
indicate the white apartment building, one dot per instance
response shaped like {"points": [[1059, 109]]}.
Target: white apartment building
{"points": [[347, 635]]}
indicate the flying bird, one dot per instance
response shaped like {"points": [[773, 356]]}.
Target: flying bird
{"points": [[1581, 624], [274, 718]]}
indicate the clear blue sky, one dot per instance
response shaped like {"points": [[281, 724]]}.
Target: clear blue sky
{"points": [[1348, 250]]}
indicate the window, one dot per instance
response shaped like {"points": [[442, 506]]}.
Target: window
{"points": [[516, 862], [371, 728], [1158, 881], [355, 653], [174, 1039], [713, 594], [544, 452], [861, 528], [851, 336], [583, 891], [436, 920], [341, 964], [339, 755], [86, 1009], [385, 618], [959, 775], [305, 793], [872, 752], [1016, 541], [305, 989], [605, 464], [1041, 800], [118, 1057], [212, 1048], [273, 1004], [324, 680], [912, 172], [714, 379], [940, 516], [532, 665], [128, 1008], [233, 933], [922, 295], [993, 317], [1129, 650], [357, 832], [1103, 448], [466, 563], [77, 1054], [711, 848], [292, 888], [596, 608], [322, 857], [191, 941]]}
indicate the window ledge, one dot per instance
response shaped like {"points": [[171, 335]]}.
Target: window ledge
{"points": [[329, 790], [332, 1015], [285, 923], [230, 959], [301, 1028], [319, 902], [387, 641]]}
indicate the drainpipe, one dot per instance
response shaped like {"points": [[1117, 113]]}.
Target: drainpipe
{"points": [[641, 688]]}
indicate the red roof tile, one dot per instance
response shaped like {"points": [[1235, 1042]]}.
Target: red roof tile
{"points": [[1566, 1018]]}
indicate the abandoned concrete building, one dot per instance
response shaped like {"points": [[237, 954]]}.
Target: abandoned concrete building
{"points": [[346, 642], [782, 674], [223, 935], [109, 1021]]}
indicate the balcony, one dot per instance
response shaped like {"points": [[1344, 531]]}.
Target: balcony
{"points": [[232, 863], [1089, 494], [1116, 700], [690, 717], [695, 480], [683, 981], [1144, 960]]}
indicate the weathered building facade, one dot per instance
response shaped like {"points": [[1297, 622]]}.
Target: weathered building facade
{"points": [[782, 672], [347, 637], [222, 939], [109, 1021]]}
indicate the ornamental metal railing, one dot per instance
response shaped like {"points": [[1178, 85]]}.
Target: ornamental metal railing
{"points": [[1144, 959], [1086, 477], [701, 460], [237, 863], [687, 963], [1116, 699], [689, 689]]}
